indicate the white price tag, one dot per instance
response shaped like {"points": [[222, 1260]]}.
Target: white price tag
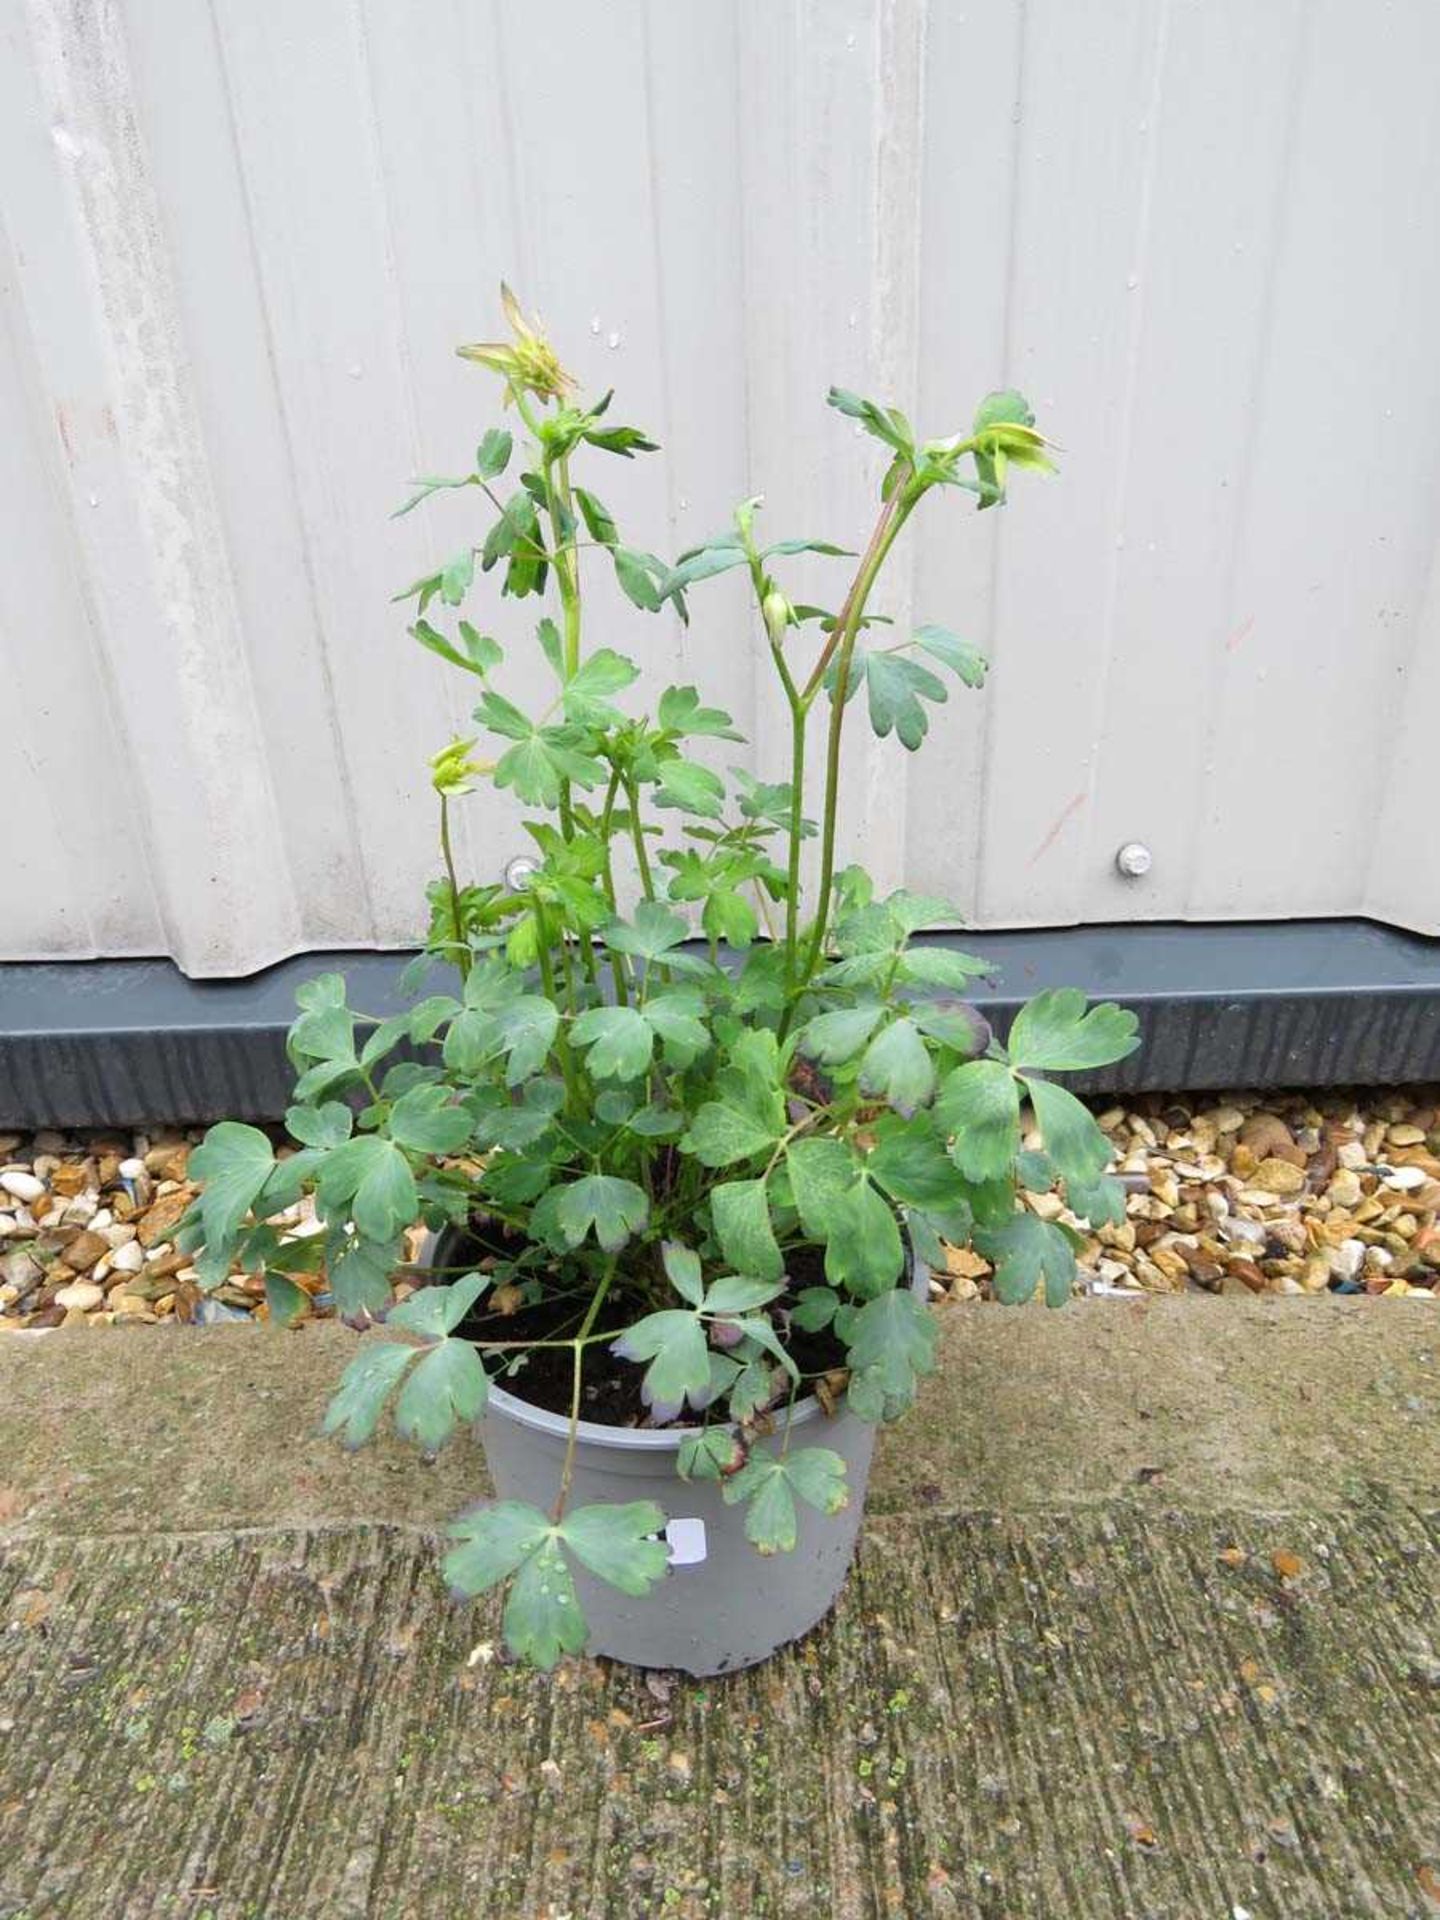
{"points": [[686, 1541]]}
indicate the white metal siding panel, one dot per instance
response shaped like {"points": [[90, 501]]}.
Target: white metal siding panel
{"points": [[241, 241]]}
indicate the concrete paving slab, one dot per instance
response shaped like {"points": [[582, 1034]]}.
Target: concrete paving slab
{"points": [[1146, 1622]]}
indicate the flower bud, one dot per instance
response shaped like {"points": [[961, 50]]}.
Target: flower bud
{"points": [[779, 614], [528, 364], [453, 772]]}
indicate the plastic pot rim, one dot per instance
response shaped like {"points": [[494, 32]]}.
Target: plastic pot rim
{"points": [[629, 1439]]}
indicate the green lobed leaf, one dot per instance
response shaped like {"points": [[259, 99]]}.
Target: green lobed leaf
{"points": [[912, 912], [456, 576], [493, 454], [885, 423], [722, 1132], [910, 1162], [821, 1172], [425, 1121], [673, 1341], [768, 1484], [234, 1161], [690, 788], [447, 1389], [538, 766], [712, 1454], [614, 1209], [891, 1344], [1099, 1203], [863, 1253], [682, 1269], [618, 1544], [740, 1210], [598, 523], [1055, 1031], [702, 563], [365, 1386], [495, 1541], [359, 1272], [953, 1024], [979, 1103], [897, 688], [513, 1541], [287, 1302], [941, 967], [1027, 1250], [619, 1039], [729, 918], [681, 713], [966, 662], [433, 1312], [740, 1293], [476, 652], [1072, 1138], [634, 575], [374, 1176], [676, 1019], [600, 674], [384, 1035], [653, 933], [524, 1031], [542, 1616], [814, 1308], [897, 1067], [834, 1038]]}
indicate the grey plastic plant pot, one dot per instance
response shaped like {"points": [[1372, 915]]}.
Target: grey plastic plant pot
{"points": [[722, 1605]]}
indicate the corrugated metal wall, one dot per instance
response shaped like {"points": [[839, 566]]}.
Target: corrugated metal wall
{"points": [[241, 239]]}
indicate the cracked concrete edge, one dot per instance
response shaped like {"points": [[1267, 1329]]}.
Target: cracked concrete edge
{"points": [[1270, 1404]]}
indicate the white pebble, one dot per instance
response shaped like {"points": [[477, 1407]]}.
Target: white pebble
{"points": [[1347, 1259], [131, 1169], [1406, 1178], [83, 1295], [128, 1257], [22, 1186], [1239, 1230]]}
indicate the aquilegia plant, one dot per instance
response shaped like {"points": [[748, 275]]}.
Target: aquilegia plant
{"points": [[685, 1165]]}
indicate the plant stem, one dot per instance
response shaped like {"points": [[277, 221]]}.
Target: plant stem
{"points": [[462, 946], [607, 879], [569, 575], [637, 834], [799, 716], [578, 1343], [547, 980], [842, 646], [567, 962]]}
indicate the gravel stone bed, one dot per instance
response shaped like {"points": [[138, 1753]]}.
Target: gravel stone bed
{"points": [[1249, 1193]]}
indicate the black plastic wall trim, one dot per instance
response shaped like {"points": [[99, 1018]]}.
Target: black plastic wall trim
{"points": [[1287, 1003]]}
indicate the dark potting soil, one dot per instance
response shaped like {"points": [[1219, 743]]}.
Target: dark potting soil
{"points": [[610, 1387]]}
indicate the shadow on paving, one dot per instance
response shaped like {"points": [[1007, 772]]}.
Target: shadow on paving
{"points": [[1125, 1695]]}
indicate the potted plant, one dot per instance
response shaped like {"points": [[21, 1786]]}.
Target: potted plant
{"points": [[675, 1177]]}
